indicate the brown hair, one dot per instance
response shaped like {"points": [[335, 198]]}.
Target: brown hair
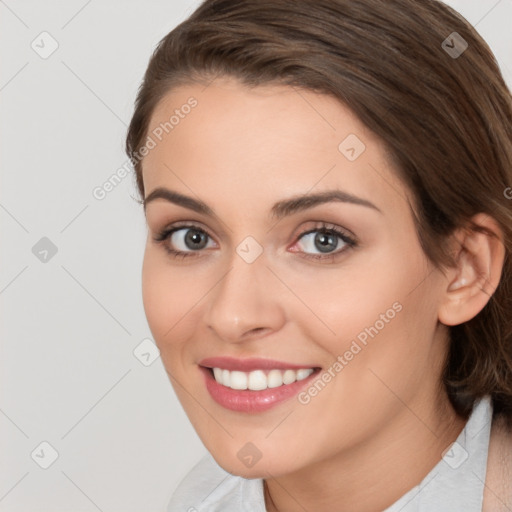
{"points": [[446, 120]]}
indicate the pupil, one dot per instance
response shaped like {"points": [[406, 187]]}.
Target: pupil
{"points": [[195, 239], [325, 242]]}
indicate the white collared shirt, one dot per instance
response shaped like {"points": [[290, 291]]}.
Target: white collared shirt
{"points": [[455, 484]]}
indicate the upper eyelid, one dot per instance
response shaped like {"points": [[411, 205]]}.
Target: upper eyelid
{"points": [[329, 226], [175, 226]]}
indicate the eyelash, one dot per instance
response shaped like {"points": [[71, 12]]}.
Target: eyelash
{"points": [[350, 242]]}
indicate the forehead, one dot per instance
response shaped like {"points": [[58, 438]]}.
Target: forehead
{"points": [[264, 142]]}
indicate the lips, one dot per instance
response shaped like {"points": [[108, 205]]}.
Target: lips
{"points": [[253, 385]]}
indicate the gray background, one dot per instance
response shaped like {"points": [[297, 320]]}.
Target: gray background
{"points": [[72, 320]]}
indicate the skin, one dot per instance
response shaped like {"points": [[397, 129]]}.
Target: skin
{"points": [[383, 422]]}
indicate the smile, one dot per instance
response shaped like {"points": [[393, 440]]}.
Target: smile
{"points": [[253, 385]]}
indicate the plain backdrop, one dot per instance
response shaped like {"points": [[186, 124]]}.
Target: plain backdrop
{"points": [[88, 418]]}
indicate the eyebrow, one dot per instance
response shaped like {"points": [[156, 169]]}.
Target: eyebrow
{"points": [[279, 210]]}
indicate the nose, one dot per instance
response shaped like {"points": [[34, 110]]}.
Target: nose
{"points": [[245, 303]]}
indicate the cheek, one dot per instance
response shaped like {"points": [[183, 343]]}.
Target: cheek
{"points": [[345, 300], [372, 312], [174, 297], [166, 297]]}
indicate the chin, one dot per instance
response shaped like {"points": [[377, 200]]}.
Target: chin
{"points": [[262, 468]]}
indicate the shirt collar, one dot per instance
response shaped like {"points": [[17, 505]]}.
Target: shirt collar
{"points": [[456, 483]]}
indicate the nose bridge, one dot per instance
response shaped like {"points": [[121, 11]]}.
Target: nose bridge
{"points": [[243, 300]]}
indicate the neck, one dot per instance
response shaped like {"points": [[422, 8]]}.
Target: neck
{"points": [[374, 474]]}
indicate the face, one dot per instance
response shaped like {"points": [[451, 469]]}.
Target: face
{"points": [[283, 280]]}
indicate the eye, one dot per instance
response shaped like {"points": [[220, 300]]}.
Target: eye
{"points": [[325, 242], [184, 240]]}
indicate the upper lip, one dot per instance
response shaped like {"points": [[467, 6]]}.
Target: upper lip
{"points": [[247, 365]]}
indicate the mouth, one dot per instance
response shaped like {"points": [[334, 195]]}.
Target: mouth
{"points": [[254, 385]]}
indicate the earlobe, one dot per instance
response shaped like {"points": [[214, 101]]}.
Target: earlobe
{"points": [[474, 279]]}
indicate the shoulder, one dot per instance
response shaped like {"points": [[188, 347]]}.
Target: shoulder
{"points": [[208, 488]]}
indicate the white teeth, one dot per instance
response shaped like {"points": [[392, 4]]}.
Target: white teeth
{"points": [[238, 380], [217, 372], [304, 373], [289, 376], [258, 380], [274, 379]]}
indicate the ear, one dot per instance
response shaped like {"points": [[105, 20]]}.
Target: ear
{"points": [[479, 262]]}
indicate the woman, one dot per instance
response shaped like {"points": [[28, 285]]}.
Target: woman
{"points": [[328, 267]]}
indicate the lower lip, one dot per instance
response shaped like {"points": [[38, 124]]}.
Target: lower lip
{"points": [[248, 400]]}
